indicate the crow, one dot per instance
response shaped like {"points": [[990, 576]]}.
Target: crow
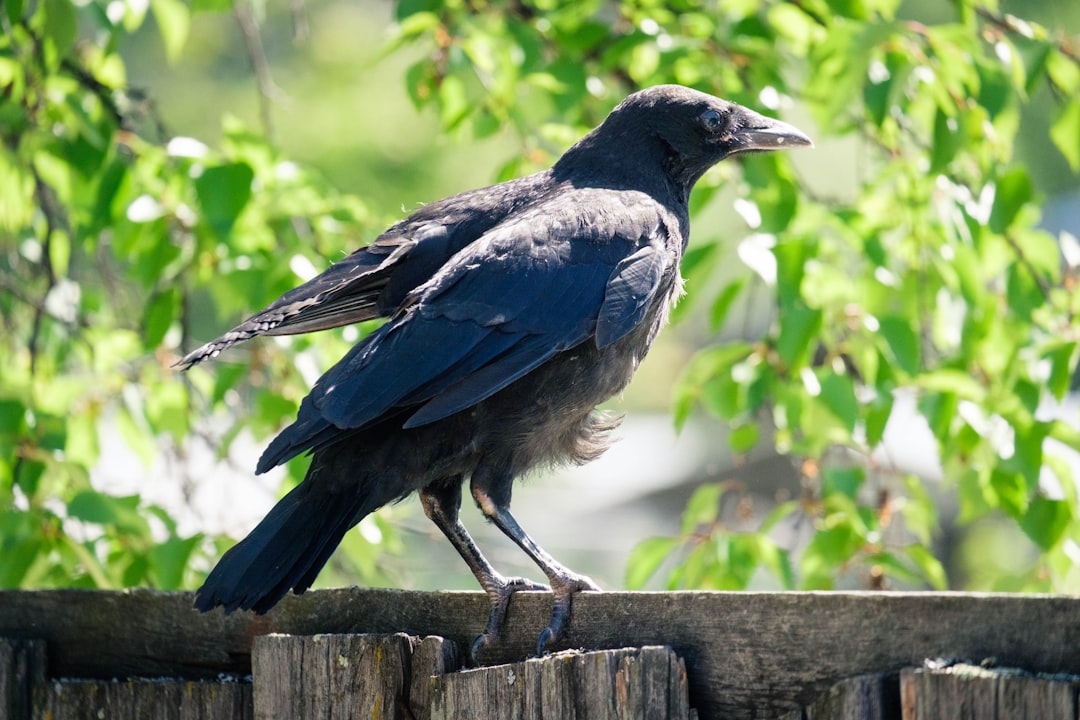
{"points": [[512, 312]]}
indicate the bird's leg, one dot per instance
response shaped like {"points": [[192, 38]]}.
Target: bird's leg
{"points": [[441, 504], [564, 582]]}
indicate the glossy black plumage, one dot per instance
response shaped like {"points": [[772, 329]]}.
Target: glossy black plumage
{"points": [[513, 311]]}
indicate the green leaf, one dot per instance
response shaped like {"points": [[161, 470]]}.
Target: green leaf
{"points": [[774, 192], [453, 102], [646, 559], [644, 60], [14, 10], [1022, 291], [722, 304], [1012, 192], [51, 430], [12, 421], [416, 24], [954, 382], [20, 551], [703, 508], [828, 549], [838, 395], [700, 566], [1046, 521], [902, 342], [421, 80], [82, 445], [93, 507], [744, 554], [1065, 132], [799, 327], [701, 255], [939, 409], [724, 397], [166, 409], [1011, 492], [169, 559], [845, 481], [877, 418], [223, 192], [791, 259], [61, 24], [997, 91], [173, 21], [1061, 368], [1034, 54], [854, 9], [776, 560], [947, 141], [780, 512], [1028, 448], [1063, 72], [707, 379], [211, 6], [975, 496], [159, 315], [929, 566], [744, 437], [28, 475]]}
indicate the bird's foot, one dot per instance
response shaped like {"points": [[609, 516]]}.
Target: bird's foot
{"points": [[500, 589], [564, 586]]}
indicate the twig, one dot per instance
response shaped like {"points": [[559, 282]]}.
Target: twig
{"points": [[103, 92], [1044, 286], [268, 90], [16, 291], [45, 199], [1009, 25]]}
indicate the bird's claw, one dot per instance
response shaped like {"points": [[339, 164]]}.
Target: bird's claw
{"points": [[564, 589], [499, 590]]}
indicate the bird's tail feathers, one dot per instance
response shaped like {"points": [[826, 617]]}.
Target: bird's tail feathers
{"points": [[285, 551]]}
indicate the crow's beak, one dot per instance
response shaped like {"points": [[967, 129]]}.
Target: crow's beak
{"points": [[763, 133]]}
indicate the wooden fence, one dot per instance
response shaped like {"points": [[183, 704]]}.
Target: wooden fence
{"points": [[394, 654]]}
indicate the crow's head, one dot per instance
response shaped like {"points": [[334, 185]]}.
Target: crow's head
{"points": [[684, 131]]}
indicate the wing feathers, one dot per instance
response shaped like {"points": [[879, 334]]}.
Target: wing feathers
{"points": [[497, 310]]}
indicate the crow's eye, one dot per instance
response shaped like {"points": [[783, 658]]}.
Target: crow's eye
{"points": [[711, 119]]}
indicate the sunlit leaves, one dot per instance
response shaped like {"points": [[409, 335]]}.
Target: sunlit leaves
{"points": [[60, 26], [646, 559], [173, 21], [933, 279], [223, 191], [1066, 132], [705, 555], [121, 247]]}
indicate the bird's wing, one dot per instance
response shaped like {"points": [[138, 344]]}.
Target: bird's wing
{"points": [[347, 292], [630, 292], [501, 307], [373, 281]]}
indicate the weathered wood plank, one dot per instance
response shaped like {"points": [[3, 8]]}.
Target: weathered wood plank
{"points": [[628, 684], [138, 700], [433, 656], [866, 697], [967, 692], [747, 654], [22, 664], [331, 677]]}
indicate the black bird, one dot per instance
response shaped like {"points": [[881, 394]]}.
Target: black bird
{"points": [[514, 310]]}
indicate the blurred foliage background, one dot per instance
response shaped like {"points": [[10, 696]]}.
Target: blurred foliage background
{"points": [[169, 167]]}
